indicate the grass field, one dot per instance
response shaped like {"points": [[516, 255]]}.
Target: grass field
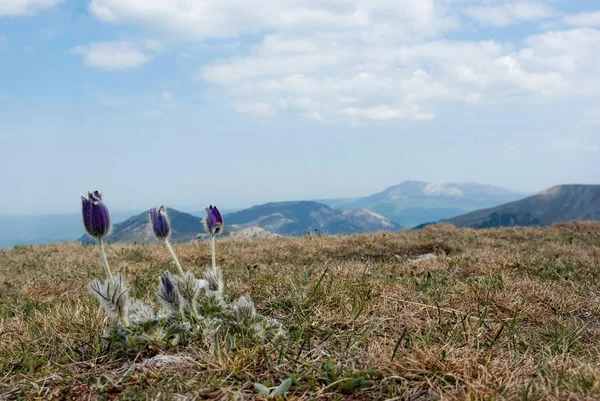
{"points": [[498, 314]]}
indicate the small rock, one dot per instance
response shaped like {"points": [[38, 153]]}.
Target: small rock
{"points": [[427, 256], [161, 361]]}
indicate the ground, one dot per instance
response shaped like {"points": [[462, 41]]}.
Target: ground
{"points": [[511, 313]]}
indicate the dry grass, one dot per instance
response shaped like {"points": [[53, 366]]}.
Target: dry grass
{"points": [[499, 314]]}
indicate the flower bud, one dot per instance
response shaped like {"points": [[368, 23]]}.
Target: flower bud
{"points": [[160, 222], [96, 218], [214, 221]]}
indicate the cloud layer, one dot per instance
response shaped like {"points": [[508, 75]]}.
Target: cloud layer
{"points": [[357, 59], [320, 75], [118, 55], [25, 7]]}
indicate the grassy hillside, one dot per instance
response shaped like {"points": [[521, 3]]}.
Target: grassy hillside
{"points": [[553, 205], [509, 313]]}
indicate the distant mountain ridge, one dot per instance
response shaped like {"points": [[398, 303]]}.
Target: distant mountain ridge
{"points": [[262, 221], [553, 205], [184, 228], [415, 202], [406, 205], [299, 217]]}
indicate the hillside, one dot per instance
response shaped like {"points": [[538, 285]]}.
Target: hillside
{"points": [[411, 203], [298, 218], [441, 313], [184, 228], [557, 204], [262, 221]]}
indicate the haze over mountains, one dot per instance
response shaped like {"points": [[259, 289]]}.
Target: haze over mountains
{"points": [[406, 205], [297, 218], [553, 205], [271, 219], [44, 229], [411, 203]]}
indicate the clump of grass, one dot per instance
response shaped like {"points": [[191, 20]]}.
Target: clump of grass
{"points": [[487, 318]]}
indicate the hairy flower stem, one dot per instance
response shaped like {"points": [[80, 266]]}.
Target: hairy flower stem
{"points": [[213, 252], [179, 269], [105, 266], [123, 319]]}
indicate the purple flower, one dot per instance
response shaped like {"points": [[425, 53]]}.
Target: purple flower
{"points": [[160, 222], [214, 221], [96, 218]]}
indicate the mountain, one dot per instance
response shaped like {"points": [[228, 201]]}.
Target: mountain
{"points": [[336, 202], [263, 221], [298, 218], [553, 205], [411, 203], [184, 227]]}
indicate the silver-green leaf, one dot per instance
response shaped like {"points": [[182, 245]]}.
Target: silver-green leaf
{"points": [[282, 388], [262, 389]]}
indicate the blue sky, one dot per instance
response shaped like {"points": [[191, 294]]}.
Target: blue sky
{"points": [[190, 102]]}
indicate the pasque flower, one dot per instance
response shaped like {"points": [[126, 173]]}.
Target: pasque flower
{"points": [[96, 218], [213, 224], [162, 229], [214, 221], [160, 222], [196, 308]]}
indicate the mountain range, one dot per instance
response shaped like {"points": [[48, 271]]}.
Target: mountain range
{"points": [[411, 203], [297, 218], [271, 219], [184, 228], [408, 204], [553, 205]]}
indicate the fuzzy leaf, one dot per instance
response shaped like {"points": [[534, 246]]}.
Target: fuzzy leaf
{"points": [[112, 295], [189, 287], [261, 388], [214, 277], [282, 388], [244, 308], [139, 312]]}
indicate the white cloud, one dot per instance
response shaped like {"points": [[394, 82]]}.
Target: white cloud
{"points": [[154, 45], [369, 59], [406, 81], [118, 55], [25, 7], [229, 18], [387, 113], [569, 54], [590, 19], [509, 13]]}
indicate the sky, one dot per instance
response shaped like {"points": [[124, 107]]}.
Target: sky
{"points": [[235, 103]]}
